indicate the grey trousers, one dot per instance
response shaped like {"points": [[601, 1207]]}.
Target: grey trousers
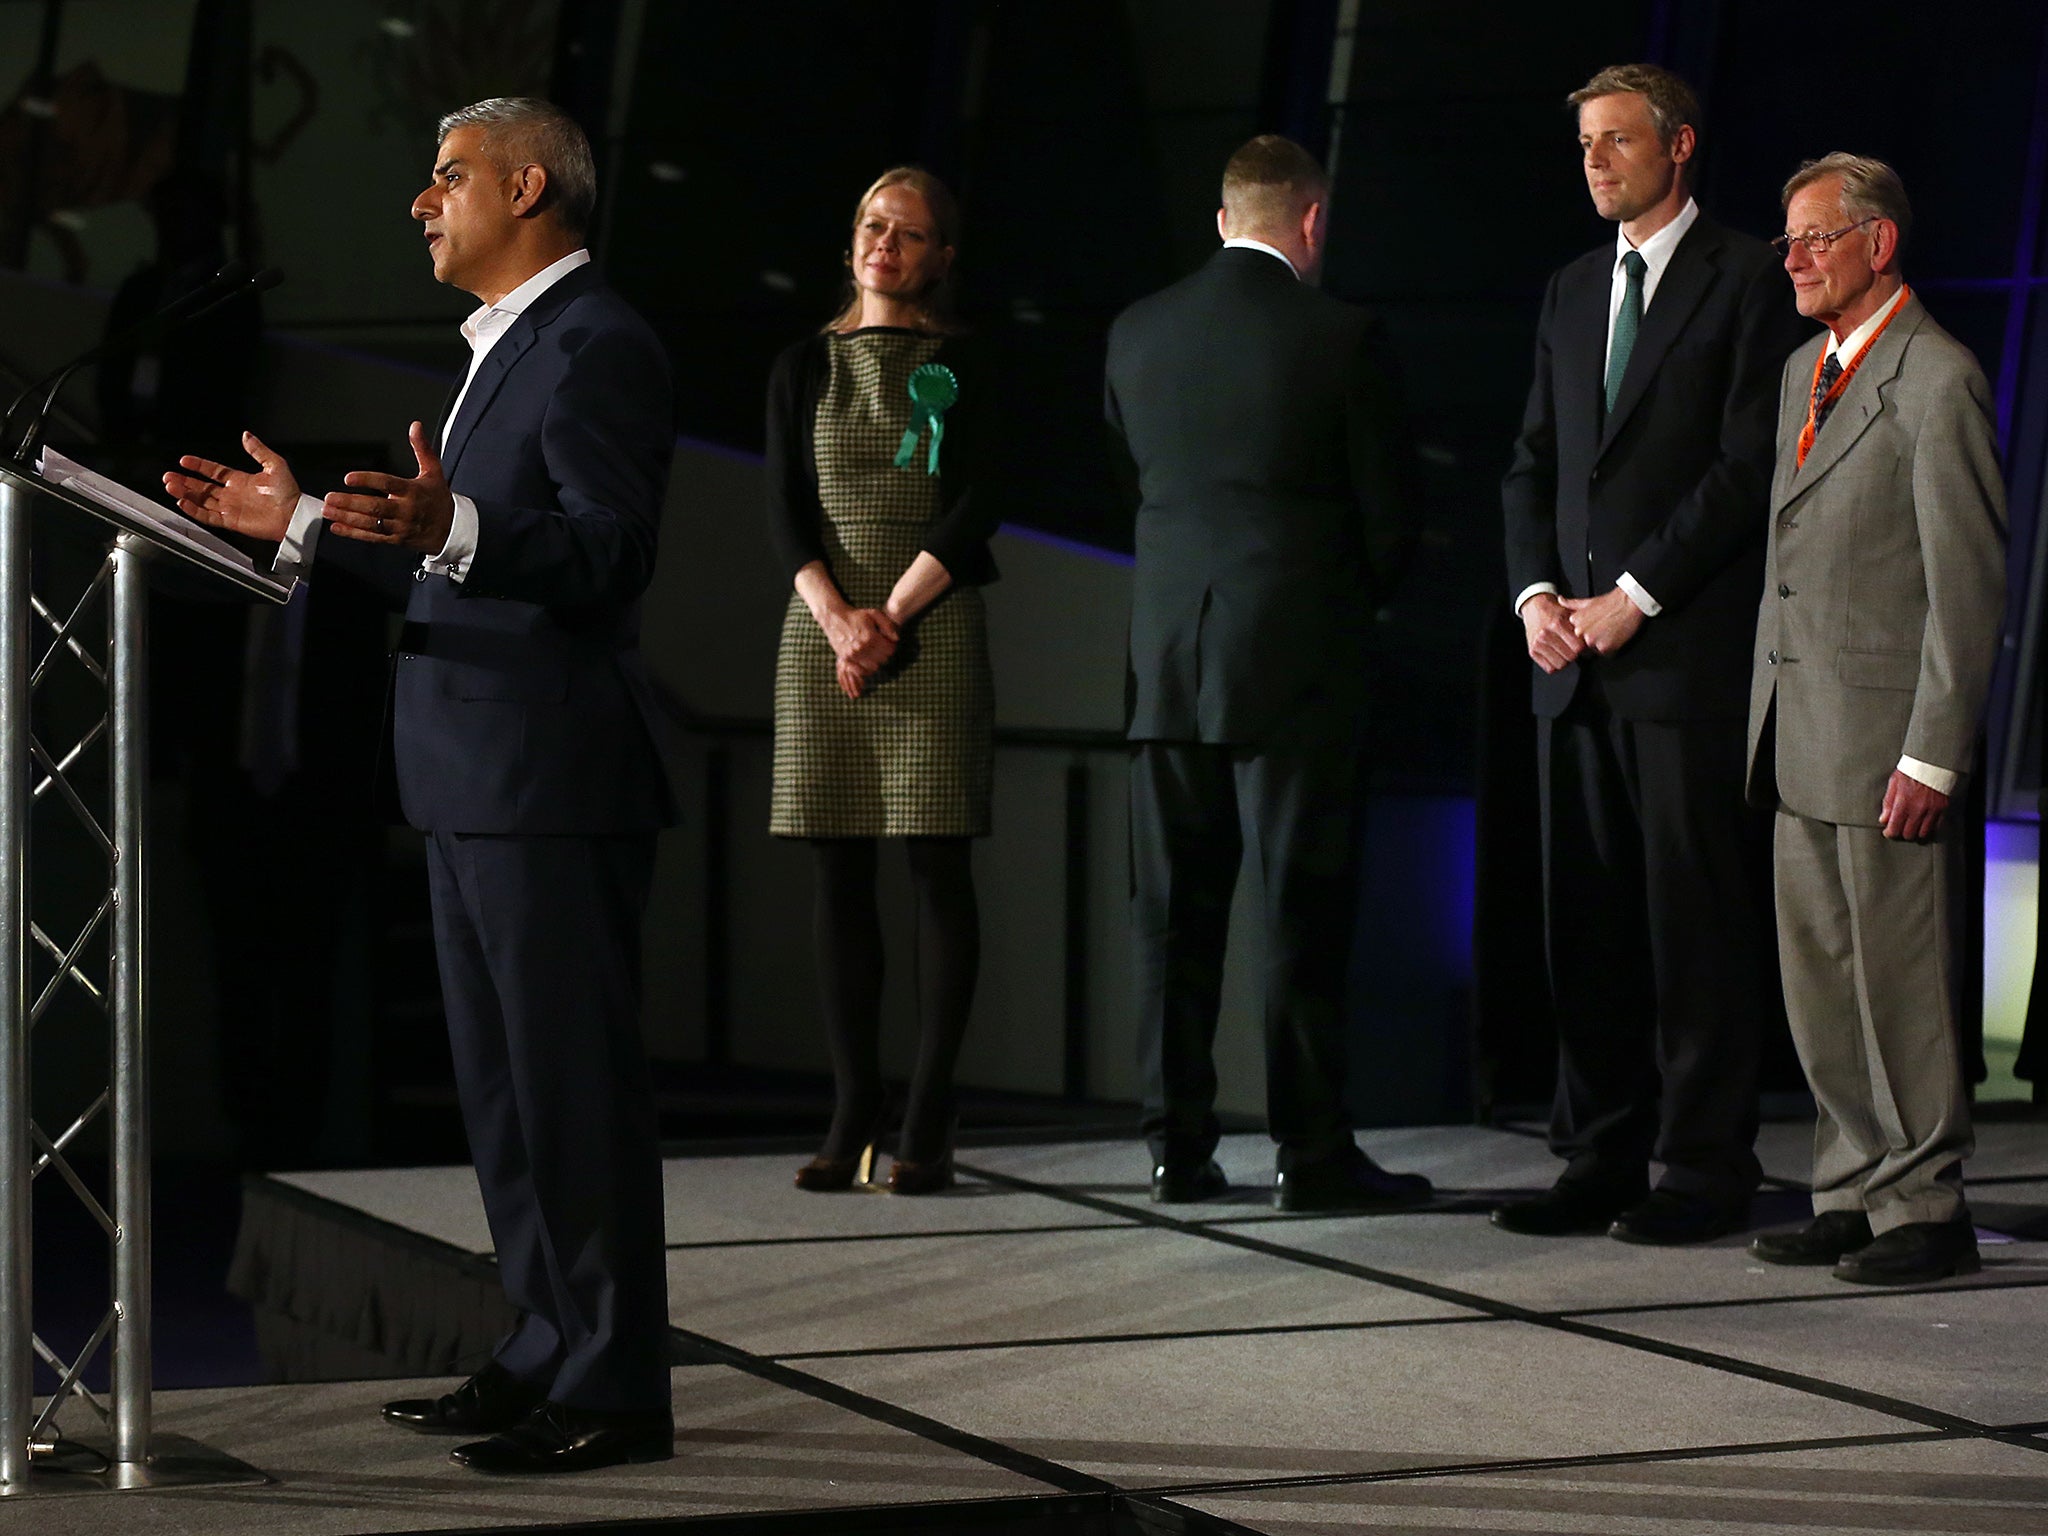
{"points": [[1863, 943]]}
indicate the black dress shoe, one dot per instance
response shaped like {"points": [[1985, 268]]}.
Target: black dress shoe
{"points": [[558, 1438], [1914, 1254], [1669, 1218], [491, 1400], [1349, 1181], [1183, 1183], [1566, 1209], [1824, 1240]]}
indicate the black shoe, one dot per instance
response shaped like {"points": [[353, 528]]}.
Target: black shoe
{"points": [[1347, 1181], [1913, 1254], [1569, 1207], [491, 1400], [1824, 1240], [558, 1438], [1667, 1218], [1183, 1183]]}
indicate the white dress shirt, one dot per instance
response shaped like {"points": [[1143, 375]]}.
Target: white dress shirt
{"points": [[1243, 243], [1656, 253], [481, 330]]}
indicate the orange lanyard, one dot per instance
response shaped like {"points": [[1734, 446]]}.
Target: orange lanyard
{"points": [[1834, 393]]}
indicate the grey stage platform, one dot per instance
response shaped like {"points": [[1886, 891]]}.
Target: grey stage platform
{"points": [[1045, 1332]]}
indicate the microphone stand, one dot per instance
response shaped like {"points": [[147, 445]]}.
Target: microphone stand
{"points": [[232, 281]]}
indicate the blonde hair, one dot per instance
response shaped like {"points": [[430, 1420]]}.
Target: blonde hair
{"points": [[1670, 100], [935, 305], [1269, 182]]}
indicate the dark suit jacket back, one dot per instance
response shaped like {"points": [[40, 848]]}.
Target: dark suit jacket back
{"points": [[520, 704], [1670, 486], [1261, 420]]}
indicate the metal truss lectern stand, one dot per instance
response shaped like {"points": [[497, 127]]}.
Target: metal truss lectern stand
{"points": [[38, 633]]}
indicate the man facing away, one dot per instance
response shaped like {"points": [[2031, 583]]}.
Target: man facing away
{"points": [[1635, 532], [520, 737], [1875, 644], [1262, 428]]}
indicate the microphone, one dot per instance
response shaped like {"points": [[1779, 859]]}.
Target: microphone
{"points": [[230, 282]]}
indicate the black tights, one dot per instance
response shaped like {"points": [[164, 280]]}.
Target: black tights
{"points": [[847, 927]]}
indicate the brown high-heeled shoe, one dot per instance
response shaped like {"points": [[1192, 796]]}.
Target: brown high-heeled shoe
{"points": [[926, 1178], [832, 1175]]}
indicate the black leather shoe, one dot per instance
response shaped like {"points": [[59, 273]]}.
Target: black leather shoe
{"points": [[1824, 1240], [491, 1400], [558, 1438], [1568, 1208], [1668, 1218], [1914, 1254], [1183, 1183], [1349, 1181]]}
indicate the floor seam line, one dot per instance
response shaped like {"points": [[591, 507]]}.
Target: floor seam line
{"points": [[1899, 1408]]}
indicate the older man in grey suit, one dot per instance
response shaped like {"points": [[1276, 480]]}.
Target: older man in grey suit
{"points": [[1880, 623]]}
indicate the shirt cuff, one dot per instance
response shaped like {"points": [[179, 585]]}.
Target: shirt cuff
{"points": [[1649, 605], [453, 560], [1941, 780], [301, 537], [1531, 590]]}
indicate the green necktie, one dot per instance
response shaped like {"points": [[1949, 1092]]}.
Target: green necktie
{"points": [[1626, 324]]}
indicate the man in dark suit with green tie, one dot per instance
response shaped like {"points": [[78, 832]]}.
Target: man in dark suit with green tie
{"points": [[1260, 421], [1635, 511]]}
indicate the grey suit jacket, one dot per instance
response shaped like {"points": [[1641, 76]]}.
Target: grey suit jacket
{"points": [[1884, 585]]}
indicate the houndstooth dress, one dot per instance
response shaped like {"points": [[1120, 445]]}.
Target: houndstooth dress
{"points": [[913, 756]]}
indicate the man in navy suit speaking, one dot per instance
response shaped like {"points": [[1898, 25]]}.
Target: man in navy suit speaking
{"points": [[520, 735]]}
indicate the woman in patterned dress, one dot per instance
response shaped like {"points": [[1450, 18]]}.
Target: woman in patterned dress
{"points": [[884, 709]]}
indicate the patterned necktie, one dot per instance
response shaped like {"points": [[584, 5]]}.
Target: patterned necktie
{"points": [[1626, 323], [1830, 371]]}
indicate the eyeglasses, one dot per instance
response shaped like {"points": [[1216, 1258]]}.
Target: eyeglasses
{"points": [[1816, 243]]}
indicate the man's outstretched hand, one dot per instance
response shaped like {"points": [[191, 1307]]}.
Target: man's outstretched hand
{"points": [[259, 504], [388, 509]]}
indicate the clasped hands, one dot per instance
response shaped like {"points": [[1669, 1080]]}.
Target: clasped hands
{"points": [[863, 640], [413, 513], [1562, 629]]}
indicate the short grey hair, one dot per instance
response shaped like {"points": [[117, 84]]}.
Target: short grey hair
{"points": [[524, 130], [1870, 188]]}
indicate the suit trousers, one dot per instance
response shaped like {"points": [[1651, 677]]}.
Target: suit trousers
{"points": [[1192, 806], [1662, 962], [539, 947], [1864, 941]]}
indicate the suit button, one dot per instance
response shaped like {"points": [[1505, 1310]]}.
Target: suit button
{"points": [[1783, 590], [1772, 658]]}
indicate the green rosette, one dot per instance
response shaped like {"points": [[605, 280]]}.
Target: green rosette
{"points": [[933, 390]]}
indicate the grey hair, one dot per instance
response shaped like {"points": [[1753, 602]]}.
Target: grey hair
{"points": [[1870, 188], [524, 130]]}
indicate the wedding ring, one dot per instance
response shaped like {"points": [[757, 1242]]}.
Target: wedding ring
{"points": [[380, 525]]}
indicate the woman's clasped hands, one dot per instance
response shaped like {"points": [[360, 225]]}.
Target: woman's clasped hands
{"points": [[863, 640]]}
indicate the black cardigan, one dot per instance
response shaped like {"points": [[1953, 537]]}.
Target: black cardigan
{"points": [[958, 540]]}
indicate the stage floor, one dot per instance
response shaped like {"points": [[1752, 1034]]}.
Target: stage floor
{"points": [[1044, 1330]]}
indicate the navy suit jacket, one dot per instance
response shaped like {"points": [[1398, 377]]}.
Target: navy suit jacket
{"points": [[519, 700], [1669, 486]]}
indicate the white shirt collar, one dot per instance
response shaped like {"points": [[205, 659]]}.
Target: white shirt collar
{"points": [[1852, 343], [1656, 251], [1240, 243], [487, 321]]}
